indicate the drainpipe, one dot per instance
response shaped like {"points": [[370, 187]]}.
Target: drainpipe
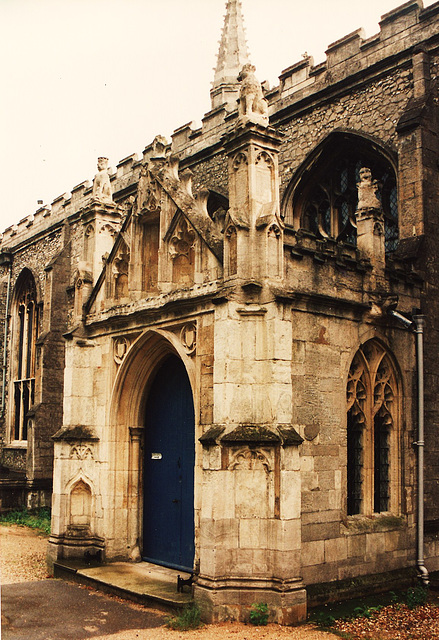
{"points": [[417, 326], [419, 330], [5, 340]]}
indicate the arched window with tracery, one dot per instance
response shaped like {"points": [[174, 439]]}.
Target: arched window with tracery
{"points": [[372, 432], [323, 197], [25, 329]]}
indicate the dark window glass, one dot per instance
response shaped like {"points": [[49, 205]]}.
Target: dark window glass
{"points": [[326, 198], [24, 339]]}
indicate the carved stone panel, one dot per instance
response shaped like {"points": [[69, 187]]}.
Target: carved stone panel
{"points": [[182, 253], [240, 175], [81, 452], [188, 336], [253, 481], [264, 177], [120, 348]]}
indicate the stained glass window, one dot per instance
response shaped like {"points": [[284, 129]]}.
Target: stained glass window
{"points": [[326, 197]]}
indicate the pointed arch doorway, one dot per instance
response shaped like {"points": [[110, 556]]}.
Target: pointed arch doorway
{"points": [[169, 461]]}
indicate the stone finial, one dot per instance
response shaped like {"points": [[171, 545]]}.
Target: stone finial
{"points": [[367, 188], [253, 107], [232, 55], [101, 183]]}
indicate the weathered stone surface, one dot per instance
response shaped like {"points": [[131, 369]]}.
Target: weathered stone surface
{"points": [[278, 318]]}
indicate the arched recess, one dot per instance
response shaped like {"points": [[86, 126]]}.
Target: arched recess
{"points": [[25, 322], [322, 196], [373, 431], [80, 507], [130, 395], [217, 207]]}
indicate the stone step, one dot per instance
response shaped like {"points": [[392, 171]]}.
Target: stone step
{"points": [[142, 582]]}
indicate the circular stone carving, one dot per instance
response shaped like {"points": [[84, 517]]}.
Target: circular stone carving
{"points": [[188, 337], [120, 348]]}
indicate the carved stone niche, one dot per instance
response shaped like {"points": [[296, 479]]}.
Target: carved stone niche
{"points": [[251, 454]]}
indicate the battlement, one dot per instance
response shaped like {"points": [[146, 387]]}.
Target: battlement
{"points": [[67, 205], [348, 59], [400, 31]]}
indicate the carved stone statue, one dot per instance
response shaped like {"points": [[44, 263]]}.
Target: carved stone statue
{"points": [[148, 196], [159, 147], [367, 188], [253, 107], [101, 183]]}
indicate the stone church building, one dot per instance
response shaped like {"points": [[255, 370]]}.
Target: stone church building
{"points": [[216, 350]]}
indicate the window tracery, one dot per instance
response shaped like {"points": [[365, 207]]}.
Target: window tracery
{"points": [[372, 439], [326, 197], [25, 329]]}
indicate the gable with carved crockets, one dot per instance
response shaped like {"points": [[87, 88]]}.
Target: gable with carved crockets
{"points": [[168, 239], [178, 186]]}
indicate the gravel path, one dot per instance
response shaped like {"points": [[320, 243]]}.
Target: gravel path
{"points": [[22, 559], [22, 555]]}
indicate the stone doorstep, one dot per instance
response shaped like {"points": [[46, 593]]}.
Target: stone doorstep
{"points": [[142, 582]]}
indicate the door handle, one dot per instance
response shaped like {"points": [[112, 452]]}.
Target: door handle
{"points": [[175, 501]]}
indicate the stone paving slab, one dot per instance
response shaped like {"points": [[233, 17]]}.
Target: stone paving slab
{"points": [[140, 578], [142, 582]]}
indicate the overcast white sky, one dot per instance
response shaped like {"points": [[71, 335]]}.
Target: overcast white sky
{"points": [[84, 78]]}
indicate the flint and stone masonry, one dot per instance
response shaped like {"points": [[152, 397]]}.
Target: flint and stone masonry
{"points": [[199, 368]]}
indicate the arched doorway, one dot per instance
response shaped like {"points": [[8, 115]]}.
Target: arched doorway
{"points": [[169, 460]]}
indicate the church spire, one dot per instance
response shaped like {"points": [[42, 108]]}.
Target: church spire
{"points": [[232, 56]]}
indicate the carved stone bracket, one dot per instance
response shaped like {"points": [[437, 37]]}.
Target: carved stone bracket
{"points": [[73, 433], [252, 436], [211, 436]]}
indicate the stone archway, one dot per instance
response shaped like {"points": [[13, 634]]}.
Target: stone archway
{"points": [[130, 396]]}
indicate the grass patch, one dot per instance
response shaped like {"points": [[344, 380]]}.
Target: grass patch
{"points": [[189, 618], [38, 519]]}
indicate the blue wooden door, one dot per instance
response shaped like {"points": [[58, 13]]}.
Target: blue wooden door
{"points": [[169, 460]]}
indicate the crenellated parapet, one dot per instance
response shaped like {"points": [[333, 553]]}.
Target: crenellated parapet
{"points": [[400, 31], [349, 60], [68, 206]]}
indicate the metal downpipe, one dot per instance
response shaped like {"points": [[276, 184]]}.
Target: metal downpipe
{"points": [[419, 321], [417, 325]]}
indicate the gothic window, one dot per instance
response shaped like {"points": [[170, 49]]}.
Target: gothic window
{"points": [[325, 197], [25, 328], [372, 432]]}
